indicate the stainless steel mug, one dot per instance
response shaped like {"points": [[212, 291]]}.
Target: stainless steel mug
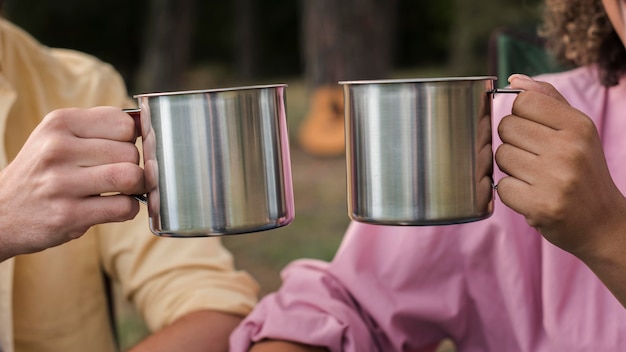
{"points": [[418, 151], [216, 161]]}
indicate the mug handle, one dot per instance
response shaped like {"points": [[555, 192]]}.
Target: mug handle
{"points": [[142, 198], [135, 114], [502, 90], [505, 90]]}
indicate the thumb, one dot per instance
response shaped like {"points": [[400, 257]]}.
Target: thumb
{"points": [[520, 81]]}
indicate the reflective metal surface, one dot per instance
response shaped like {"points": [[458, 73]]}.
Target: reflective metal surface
{"points": [[418, 152], [217, 161]]}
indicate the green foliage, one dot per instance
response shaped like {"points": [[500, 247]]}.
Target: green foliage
{"points": [[473, 23], [427, 32], [276, 29], [423, 30]]}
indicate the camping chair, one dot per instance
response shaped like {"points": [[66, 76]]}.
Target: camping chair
{"points": [[519, 50]]}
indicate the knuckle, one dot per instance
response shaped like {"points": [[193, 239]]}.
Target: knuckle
{"points": [[123, 208], [77, 233], [55, 117], [498, 154], [111, 176], [588, 128], [128, 209], [520, 101], [501, 154], [120, 152], [61, 217], [55, 184], [55, 146], [131, 154], [532, 222], [129, 124], [549, 210], [124, 123], [502, 187], [58, 118], [503, 126], [49, 184], [127, 128], [124, 176]]}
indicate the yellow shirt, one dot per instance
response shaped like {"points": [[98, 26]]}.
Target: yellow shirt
{"points": [[55, 300]]}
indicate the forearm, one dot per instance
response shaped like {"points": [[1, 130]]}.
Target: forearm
{"points": [[198, 331], [8, 248], [613, 275], [610, 262]]}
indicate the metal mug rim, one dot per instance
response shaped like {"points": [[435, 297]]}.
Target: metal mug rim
{"points": [[419, 80], [213, 90]]}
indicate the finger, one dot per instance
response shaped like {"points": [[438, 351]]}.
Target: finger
{"points": [[544, 110], [86, 152], [524, 134], [87, 212], [518, 163], [516, 195], [104, 209], [541, 102], [100, 122], [93, 152], [125, 178], [523, 82]]}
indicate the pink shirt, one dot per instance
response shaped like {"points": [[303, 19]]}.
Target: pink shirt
{"points": [[491, 285]]}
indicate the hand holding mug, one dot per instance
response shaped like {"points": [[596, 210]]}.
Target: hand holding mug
{"points": [[50, 193], [558, 176]]}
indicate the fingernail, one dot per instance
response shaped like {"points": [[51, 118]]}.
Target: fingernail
{"points": [[519, 76]]}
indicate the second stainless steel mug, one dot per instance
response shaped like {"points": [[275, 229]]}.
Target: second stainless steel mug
{"points": [[216, 161], [418, 151]]}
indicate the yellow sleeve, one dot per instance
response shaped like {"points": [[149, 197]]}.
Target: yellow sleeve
{"points": [[167, 278], [87, 81]]}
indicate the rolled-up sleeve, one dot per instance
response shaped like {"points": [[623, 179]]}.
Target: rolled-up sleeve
{"points": [[312, 307], [167, 278], [372, 297]]}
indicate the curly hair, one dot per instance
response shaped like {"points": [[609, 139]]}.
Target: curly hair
{"points": [[579, 33]]}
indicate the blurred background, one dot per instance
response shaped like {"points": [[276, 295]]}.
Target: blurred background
{"points": [[162, 45]]}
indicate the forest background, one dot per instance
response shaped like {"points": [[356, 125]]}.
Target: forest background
{"points": [[161, 45]]}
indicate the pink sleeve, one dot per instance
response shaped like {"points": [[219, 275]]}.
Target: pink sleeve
{"points": [[389, 288], [311, 307]]}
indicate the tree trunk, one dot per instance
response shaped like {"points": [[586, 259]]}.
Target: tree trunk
{"points": [[167, 45], [245, 33], [343, 40], [347, 40], [461, 56]]}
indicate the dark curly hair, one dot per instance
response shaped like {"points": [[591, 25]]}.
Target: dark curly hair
{"points": [[579, 33]]}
